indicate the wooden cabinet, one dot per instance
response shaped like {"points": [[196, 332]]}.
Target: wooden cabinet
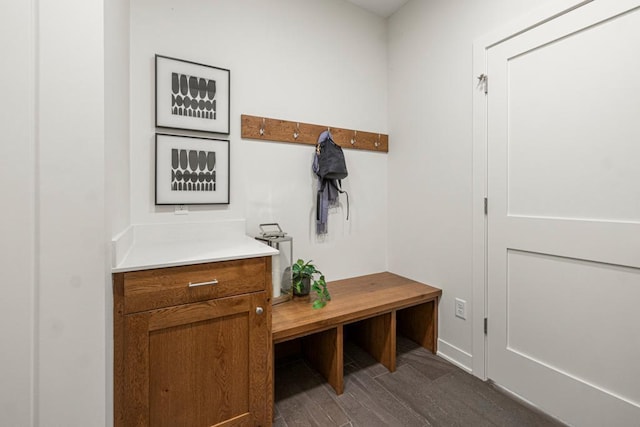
{"points": [[193, 345]]}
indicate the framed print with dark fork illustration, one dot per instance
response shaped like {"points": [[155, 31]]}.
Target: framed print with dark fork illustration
{"points": [[192, 96], [191, 170]]}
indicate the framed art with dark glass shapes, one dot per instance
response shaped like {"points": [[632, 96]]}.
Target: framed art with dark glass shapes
{"points": [[192, 96], [191, 170]]}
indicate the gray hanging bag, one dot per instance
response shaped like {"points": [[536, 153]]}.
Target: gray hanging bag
{"points": [[331, 167], [331, 164]]}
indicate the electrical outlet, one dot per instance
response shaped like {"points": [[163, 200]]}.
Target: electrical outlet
{"points": [[461, 308], [181, 210]]}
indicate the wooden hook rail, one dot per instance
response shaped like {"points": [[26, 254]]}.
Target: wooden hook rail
{"points": [[262, 128]]}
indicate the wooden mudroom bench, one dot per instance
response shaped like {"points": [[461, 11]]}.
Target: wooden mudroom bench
{"points": [[373, 307]]}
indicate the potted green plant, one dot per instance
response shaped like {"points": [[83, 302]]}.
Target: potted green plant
{"points": [[303, 273]]}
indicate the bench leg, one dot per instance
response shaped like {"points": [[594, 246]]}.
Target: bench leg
{"points": [[420, 324], [377, 335], [324, 351]]}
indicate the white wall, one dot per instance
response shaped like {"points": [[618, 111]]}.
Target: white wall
{"points": [[53, 246], [430, 166], [71, 214], [17, 228], [117, 182], [116, 82], [318, 62]]}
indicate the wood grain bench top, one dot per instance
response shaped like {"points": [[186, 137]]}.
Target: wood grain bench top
{"points": [[352, 299]]}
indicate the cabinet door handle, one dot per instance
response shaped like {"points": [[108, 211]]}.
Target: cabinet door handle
{"points": [[212, 282], [259, 310]]}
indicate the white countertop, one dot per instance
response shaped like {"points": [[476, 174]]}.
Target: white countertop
{"points": [[144, 247]]}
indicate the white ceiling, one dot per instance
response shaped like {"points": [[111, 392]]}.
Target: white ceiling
{"points": [[384, 8]]}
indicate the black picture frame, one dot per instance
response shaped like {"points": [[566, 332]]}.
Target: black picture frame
{"points": [[191, 170], [192, 96]]}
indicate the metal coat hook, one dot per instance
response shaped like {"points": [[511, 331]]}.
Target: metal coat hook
{"points": [[296, 133], [377, 143], [262, 127], [483, 82], [355, 135]]}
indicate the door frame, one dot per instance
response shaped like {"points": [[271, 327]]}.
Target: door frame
{"points": [[480, 170]]}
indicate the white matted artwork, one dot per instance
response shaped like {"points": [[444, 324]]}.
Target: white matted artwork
{"points": [[191, 170], [192, 96]]}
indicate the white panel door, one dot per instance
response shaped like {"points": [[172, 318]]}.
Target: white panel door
{"points": [[564, 214]]}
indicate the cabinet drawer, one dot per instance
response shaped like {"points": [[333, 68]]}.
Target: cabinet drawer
{"points": [[164, 287]]}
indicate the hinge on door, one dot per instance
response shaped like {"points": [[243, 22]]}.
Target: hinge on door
{"points": [[483, 81], [486, 206], [485, 326]]}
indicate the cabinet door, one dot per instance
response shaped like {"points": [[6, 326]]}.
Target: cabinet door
{"points": [[200, 364]]}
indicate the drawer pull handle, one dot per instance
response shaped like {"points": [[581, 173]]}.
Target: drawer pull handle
{"points": [[212, 282], [259, 310]]}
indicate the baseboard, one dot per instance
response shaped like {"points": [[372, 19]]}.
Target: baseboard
{"points": [[525, 402], [453, 354]]}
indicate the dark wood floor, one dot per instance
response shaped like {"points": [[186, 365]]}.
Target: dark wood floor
{"points": [[425, 390]]}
